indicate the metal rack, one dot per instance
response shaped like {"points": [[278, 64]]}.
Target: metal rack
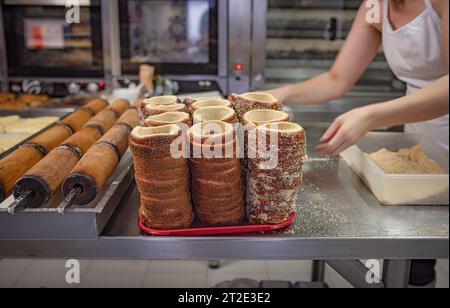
{"points": [[50, 223]]}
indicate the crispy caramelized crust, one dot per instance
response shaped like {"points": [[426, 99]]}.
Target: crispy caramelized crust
{"points": [[168, 118], [173, 216], [264, 116], [153, 109], [217, 187], [225, 114], [162, 180], [212, 132], [210, 103], [272, 192], [189, 100], [252, 101], [161, 104]]}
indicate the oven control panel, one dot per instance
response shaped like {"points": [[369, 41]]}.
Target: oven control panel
{"points": [[56, 89]]}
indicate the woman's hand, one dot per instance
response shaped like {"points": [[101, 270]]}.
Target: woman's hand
{"points": [[346, 131]]}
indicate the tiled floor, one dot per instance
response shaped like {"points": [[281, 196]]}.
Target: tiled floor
{"points": [[192, 274]]}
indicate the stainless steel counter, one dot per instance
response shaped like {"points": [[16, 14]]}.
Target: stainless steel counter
{"points": [[338, 218]]}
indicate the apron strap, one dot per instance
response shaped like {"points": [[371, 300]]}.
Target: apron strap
{"points": [[386, 10], [431, 9], [429, 4]]}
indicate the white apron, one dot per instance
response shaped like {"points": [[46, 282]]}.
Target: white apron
{"points": [[416, 56]]}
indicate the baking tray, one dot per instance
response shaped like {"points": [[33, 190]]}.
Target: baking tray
{"points": [[198, 230], [87, 222], [400, 189]]}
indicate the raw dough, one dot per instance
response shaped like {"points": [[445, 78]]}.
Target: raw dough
{"points": [[406, 161]]}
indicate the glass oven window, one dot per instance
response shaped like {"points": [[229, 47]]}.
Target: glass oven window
{"points": [[41, 43], [176, 36]]}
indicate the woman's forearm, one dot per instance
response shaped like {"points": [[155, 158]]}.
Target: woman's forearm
{"points": [[429, 103], [318, 90], [426, 104]]}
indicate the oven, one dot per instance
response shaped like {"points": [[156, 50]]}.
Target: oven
{"points": [[202, 44], [303, 39], [186, 40], [178, 37], [50, 44]]}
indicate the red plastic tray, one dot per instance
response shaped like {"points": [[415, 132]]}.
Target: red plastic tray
{"points": [[218, 230]]}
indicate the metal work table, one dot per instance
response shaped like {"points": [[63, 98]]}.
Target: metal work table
{"points": [[337, 219]]}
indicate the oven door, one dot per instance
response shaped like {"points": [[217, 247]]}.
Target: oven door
{"points": [[178, 37], [42, 42], [305, 37]]}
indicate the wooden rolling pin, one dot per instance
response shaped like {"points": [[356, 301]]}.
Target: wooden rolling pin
{"points": [[23, 159], [14, 166], [82, 115], [94, 169], [40, 183], [106, 119], [96, 105], [51, 138]]}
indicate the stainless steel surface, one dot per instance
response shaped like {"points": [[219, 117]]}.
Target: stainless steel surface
{"points": [[223, 39], [3, 57], [221, 81], [240, 44], [256, 247], [111, 39], [77, 222], [19, 205], [38, 112], [324, 115], [259, 38], [318, 271], [47, 2], [28, 69], [355, 272], [69, 201], [333, 204], [396, 273], [57, 79], [338, 218]]}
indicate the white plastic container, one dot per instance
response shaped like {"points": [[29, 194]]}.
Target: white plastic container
{"points": [[401, 189]]}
